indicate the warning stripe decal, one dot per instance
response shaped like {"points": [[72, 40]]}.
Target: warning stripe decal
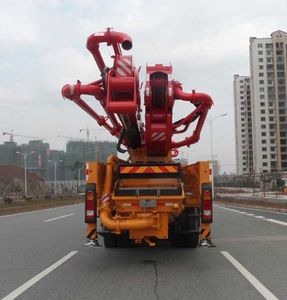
{"points": [[148, 169], [124, 66]]}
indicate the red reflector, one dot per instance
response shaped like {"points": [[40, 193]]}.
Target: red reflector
{"points": [[207, 204], [90, 205]]}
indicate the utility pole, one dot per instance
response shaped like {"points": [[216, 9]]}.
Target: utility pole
{"points": [[25, 154], [55, 162], [211, 120]]}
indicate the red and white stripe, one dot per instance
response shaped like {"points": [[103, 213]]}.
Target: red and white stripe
{"points": [[106, 198], [210, 171], [158, 136], [124, 66]]}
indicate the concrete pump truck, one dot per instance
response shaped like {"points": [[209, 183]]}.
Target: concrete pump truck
{"points": [[150, 196]]}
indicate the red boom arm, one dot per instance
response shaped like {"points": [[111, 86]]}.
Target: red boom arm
{"points": [[118, 94]]}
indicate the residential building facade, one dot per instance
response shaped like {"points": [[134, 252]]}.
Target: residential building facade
{"points": [[243, 124], [267, 107]]}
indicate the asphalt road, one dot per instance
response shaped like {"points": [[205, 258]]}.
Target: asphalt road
{"points": [[42, 256]]}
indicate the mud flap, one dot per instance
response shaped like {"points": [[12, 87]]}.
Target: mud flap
{"points": [[205, 236]]}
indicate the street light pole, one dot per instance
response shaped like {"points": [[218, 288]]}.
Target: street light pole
{"points": [[211, 120], [25, 170], [55, 174]]}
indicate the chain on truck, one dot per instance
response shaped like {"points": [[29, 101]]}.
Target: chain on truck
{"points": [[150, 196]]}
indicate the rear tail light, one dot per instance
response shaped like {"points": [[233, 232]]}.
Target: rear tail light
{"points": [[91, 203], [206, 206]]}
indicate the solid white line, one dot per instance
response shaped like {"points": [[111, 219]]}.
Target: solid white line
{"points": [[61, 217], [253, 280], [277, 222], [257, 209], [259, 217], [21, 289], [39, 210], [249, 214]]}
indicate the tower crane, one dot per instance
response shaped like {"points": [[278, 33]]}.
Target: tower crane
{"points": [[12, 135]]}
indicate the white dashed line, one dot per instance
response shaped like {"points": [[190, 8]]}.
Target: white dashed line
{"points": [[61, 217], [252, 215], [21, 289], [277, 222], [251, 278], [39, 211]]}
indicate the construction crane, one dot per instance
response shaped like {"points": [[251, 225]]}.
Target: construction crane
{"points": [[71, 138], [149, 196], [88, 131], [12, 135]]}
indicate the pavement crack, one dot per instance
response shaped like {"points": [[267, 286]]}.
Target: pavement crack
{"points": [[155, 280], [153, 263]]}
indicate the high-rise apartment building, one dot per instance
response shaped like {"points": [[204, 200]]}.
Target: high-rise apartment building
{"points": [[243, 124], [268, 82]]}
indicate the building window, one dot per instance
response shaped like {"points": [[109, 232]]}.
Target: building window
{"points": [[264, 149], [262, 97], [261, 74], [262, 103], [260, 52], [269, 59], [261, 81], [264, 156], [268, 46], [259, 45], [263, 133], [260, 67], [264, 164], [260, 59], [262, 111], [263, 126], [263, 141], [263, 119], [261, 89]]}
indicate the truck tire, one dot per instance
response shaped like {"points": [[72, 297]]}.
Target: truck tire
{"points": [[192, 240], [178, 240], [110, 240], [123, 240]]}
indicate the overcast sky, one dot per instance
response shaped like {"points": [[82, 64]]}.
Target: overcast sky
{"points": [[42, 47]]}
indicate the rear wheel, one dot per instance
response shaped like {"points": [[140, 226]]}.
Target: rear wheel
{"points": [[110, 240], [184, 232], [192, 240], [123, 240]]}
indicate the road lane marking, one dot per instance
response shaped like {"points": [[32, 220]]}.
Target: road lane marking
{"points": [[258, 217], [277, 222], [39, 210], [257, 209], [251, 278], [61, 217], [21, 289]]}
